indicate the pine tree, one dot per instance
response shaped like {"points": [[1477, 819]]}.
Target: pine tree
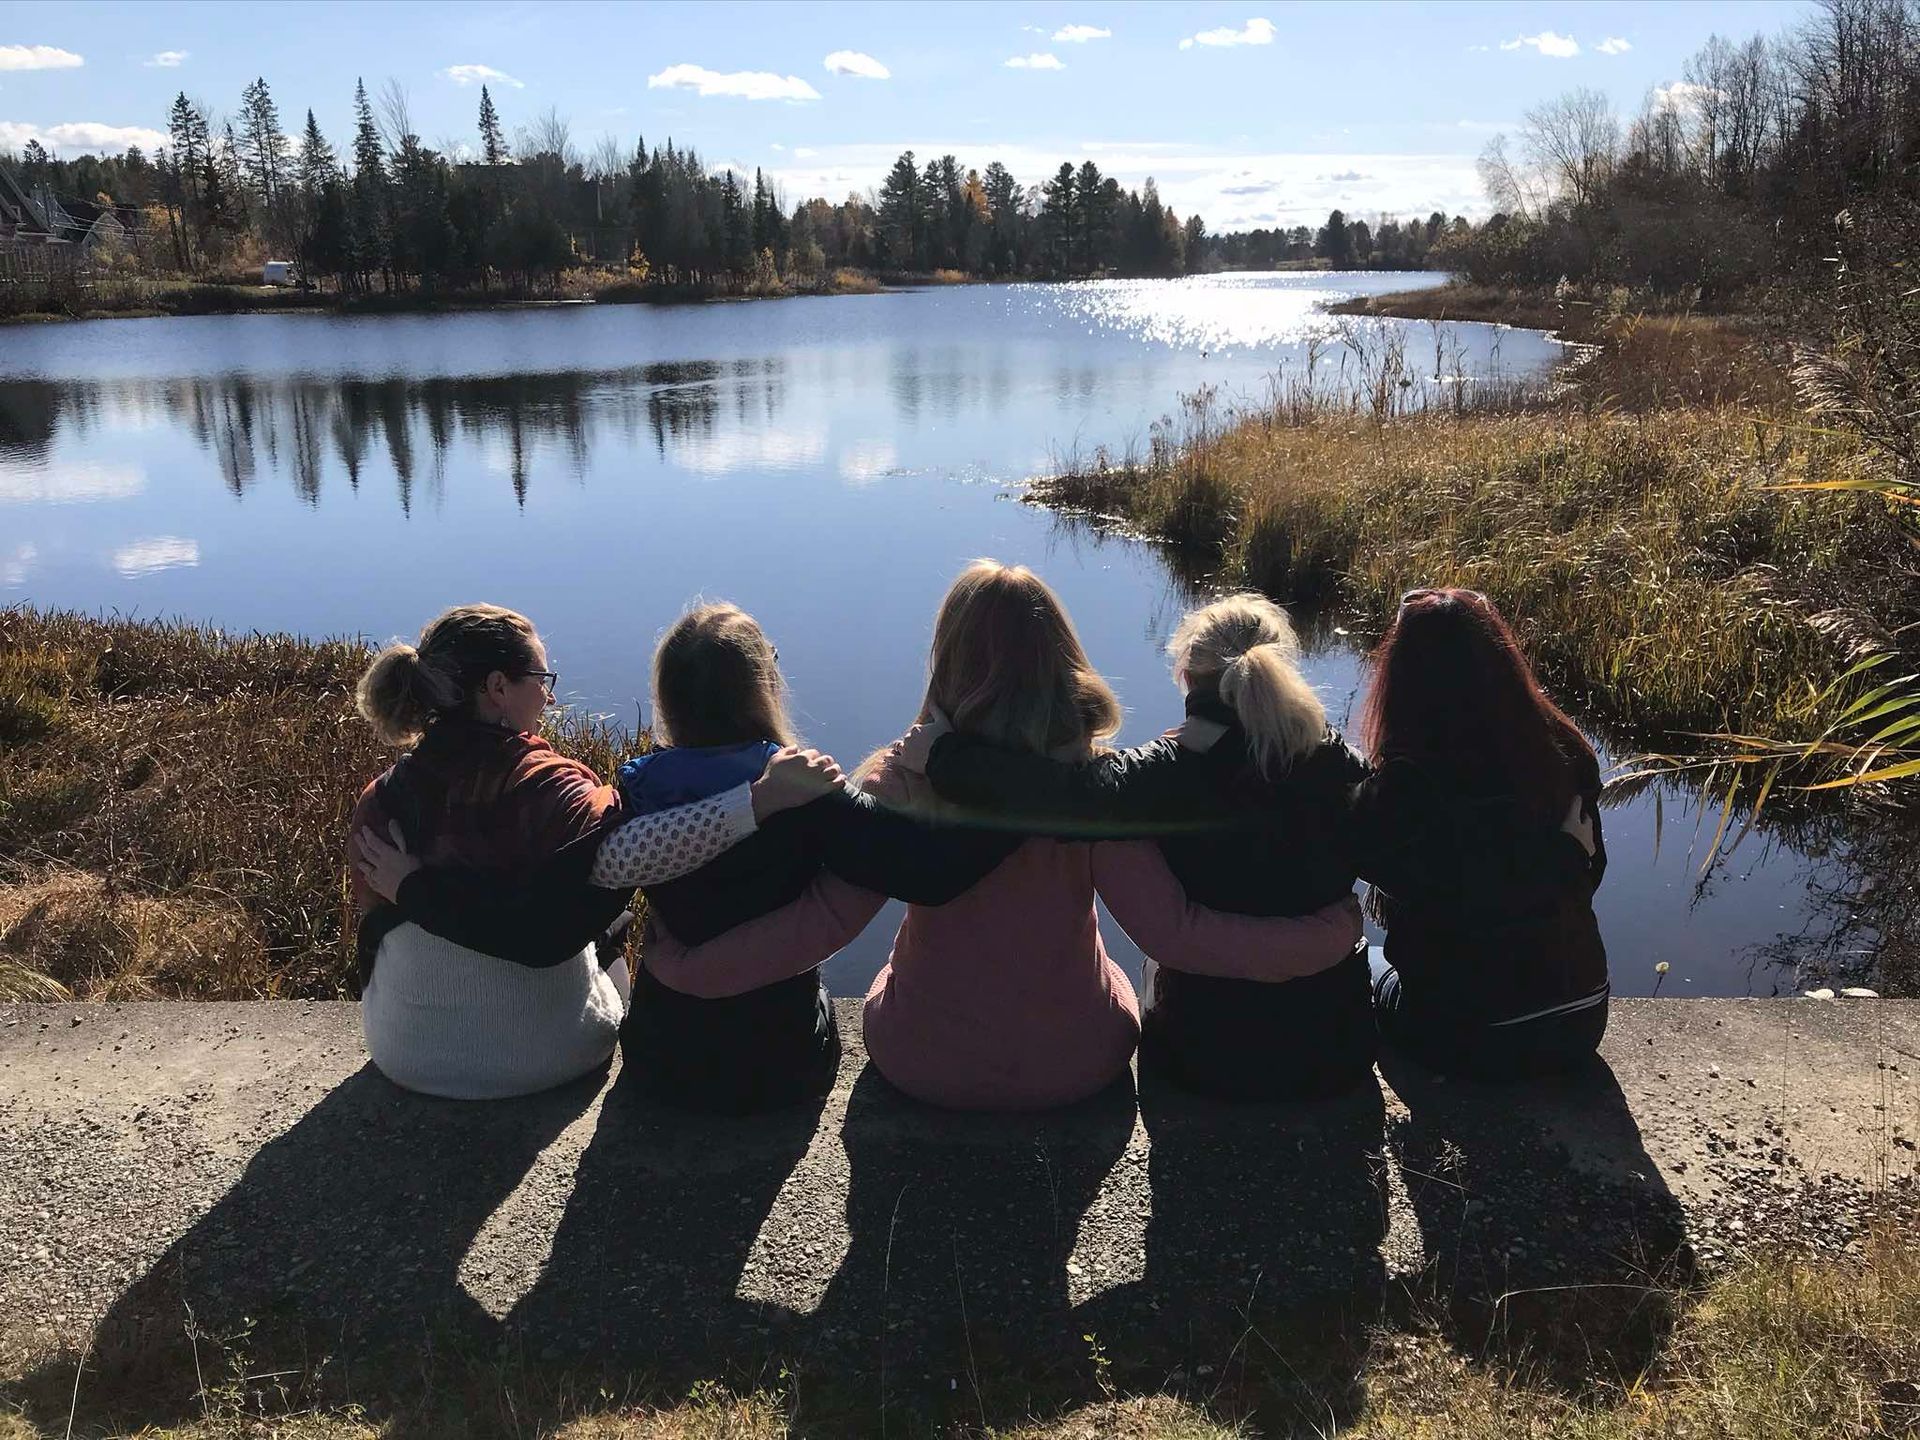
{"points": [[493, 141], [369, 203], [1057, 221], [902, 213], [263, 148], [317, 163]]}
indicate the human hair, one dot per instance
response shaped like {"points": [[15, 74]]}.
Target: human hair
{"points": [[1243, 648], [716, 681], [1006, 665], [408, 687], [1452, 691]]}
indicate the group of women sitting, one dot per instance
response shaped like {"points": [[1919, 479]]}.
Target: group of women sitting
{"points": [[493, 874]]}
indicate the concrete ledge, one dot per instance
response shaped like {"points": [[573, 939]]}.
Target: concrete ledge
{"points": [[246, 1161]]}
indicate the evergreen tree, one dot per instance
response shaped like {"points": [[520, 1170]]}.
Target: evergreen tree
{"points": [[493, 141], [317, 162], [263, 147], [368, 201], [902, 214], [1058, 222], [1334, 243]]}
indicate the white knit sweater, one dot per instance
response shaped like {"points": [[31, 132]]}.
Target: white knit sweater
{"points": [[445, 1020]]}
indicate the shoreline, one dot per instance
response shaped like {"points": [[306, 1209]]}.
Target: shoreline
{"points": [[221, 299]]}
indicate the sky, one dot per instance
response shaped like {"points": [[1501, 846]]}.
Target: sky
{"points": [[1253, 113]]}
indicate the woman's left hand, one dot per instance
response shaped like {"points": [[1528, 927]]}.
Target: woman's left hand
{"points": [[383, 866]]}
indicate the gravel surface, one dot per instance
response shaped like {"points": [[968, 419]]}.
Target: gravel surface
{"points": [[244, 1165]]}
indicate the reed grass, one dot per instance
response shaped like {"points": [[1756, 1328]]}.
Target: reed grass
{"points": [[174, 803]]}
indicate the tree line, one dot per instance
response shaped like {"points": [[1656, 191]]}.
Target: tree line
{"points": [[391, 212], [1725, 182]]}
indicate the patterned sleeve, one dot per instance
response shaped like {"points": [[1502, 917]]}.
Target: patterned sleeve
{"points": [[653, 849]]}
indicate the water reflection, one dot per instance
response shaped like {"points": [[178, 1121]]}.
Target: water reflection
{"points": [[304, 428]]}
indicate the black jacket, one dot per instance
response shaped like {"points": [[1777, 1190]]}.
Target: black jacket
{"points": [[1488, 910]]}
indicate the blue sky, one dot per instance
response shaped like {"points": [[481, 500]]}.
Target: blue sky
{"points": [[1253, 113]]}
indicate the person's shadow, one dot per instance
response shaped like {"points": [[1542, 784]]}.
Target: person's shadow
{"points": [[1263, 1268], [1548, 1232], [954, 1298], [343, 1236], [662, 1231]]}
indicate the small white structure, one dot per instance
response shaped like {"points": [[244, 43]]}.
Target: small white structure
{"points": [[277, 272]]}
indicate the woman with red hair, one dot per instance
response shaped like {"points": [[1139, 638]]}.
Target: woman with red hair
{"points": [[1480, 834]]}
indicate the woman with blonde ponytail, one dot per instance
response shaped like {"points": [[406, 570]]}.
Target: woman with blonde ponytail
{"points": [[1249, 803], [462, 994]]}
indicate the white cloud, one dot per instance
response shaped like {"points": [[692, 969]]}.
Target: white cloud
{"points": [[166, 60], [149, 557], [1560, 47], [38, 57], [852, 62], [1614, 45], [481, 75], [804, 152], [1683, 97], [80, 137], [1033, 62], [14, 568], [1080, 34], [738, 84], [1254, 32], [71, 484]]}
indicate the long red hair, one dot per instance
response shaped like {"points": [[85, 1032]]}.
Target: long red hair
{"points": [[1452, 692]]}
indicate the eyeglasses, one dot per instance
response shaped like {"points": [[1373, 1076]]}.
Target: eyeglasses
{"points": [[548, 678]]}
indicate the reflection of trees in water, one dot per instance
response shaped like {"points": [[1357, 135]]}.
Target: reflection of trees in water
{"points": [[307, 428]]}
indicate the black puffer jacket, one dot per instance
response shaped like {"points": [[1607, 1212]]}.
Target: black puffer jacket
{"points": [[1488, 910]]}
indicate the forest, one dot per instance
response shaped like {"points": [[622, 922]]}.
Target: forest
{"points": [[390, 213]]}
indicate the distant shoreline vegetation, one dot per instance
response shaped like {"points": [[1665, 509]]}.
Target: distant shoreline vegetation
{"points": [[392, 218]]}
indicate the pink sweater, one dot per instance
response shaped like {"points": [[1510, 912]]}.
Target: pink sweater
{"points": [[1003, 999]]}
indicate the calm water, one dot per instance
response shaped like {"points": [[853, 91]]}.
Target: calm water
{"points": [[827, 463]]}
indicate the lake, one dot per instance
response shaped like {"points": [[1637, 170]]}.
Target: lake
{"points": [[827, 463]]}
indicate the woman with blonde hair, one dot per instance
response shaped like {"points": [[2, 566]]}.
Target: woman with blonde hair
{"points": [[1250, 801], [483, 1005]]}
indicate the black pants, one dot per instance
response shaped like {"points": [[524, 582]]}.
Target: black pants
{"points": [[1515, 1050], [1302, 1039], [772, 1047]]}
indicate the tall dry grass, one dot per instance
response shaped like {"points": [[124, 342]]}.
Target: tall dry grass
{"points": [[1636, 541], [173, 808]]}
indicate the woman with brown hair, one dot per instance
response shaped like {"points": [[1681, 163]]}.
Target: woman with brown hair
{"points": [[516, 1008], [1004, 999], [1480, 834]]}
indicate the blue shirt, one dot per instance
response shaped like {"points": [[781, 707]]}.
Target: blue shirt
{"points": [[676, 775]]}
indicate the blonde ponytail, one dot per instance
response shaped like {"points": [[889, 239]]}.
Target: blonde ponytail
{"points": [[1244, 647], [407, 687], [1282, 716]]}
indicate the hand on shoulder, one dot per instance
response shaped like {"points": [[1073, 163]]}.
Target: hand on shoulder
{"points": [[794, 777]]}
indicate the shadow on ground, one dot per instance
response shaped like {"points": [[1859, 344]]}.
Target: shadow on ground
{"points": [[893, 1266], [1557, 1250]]}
